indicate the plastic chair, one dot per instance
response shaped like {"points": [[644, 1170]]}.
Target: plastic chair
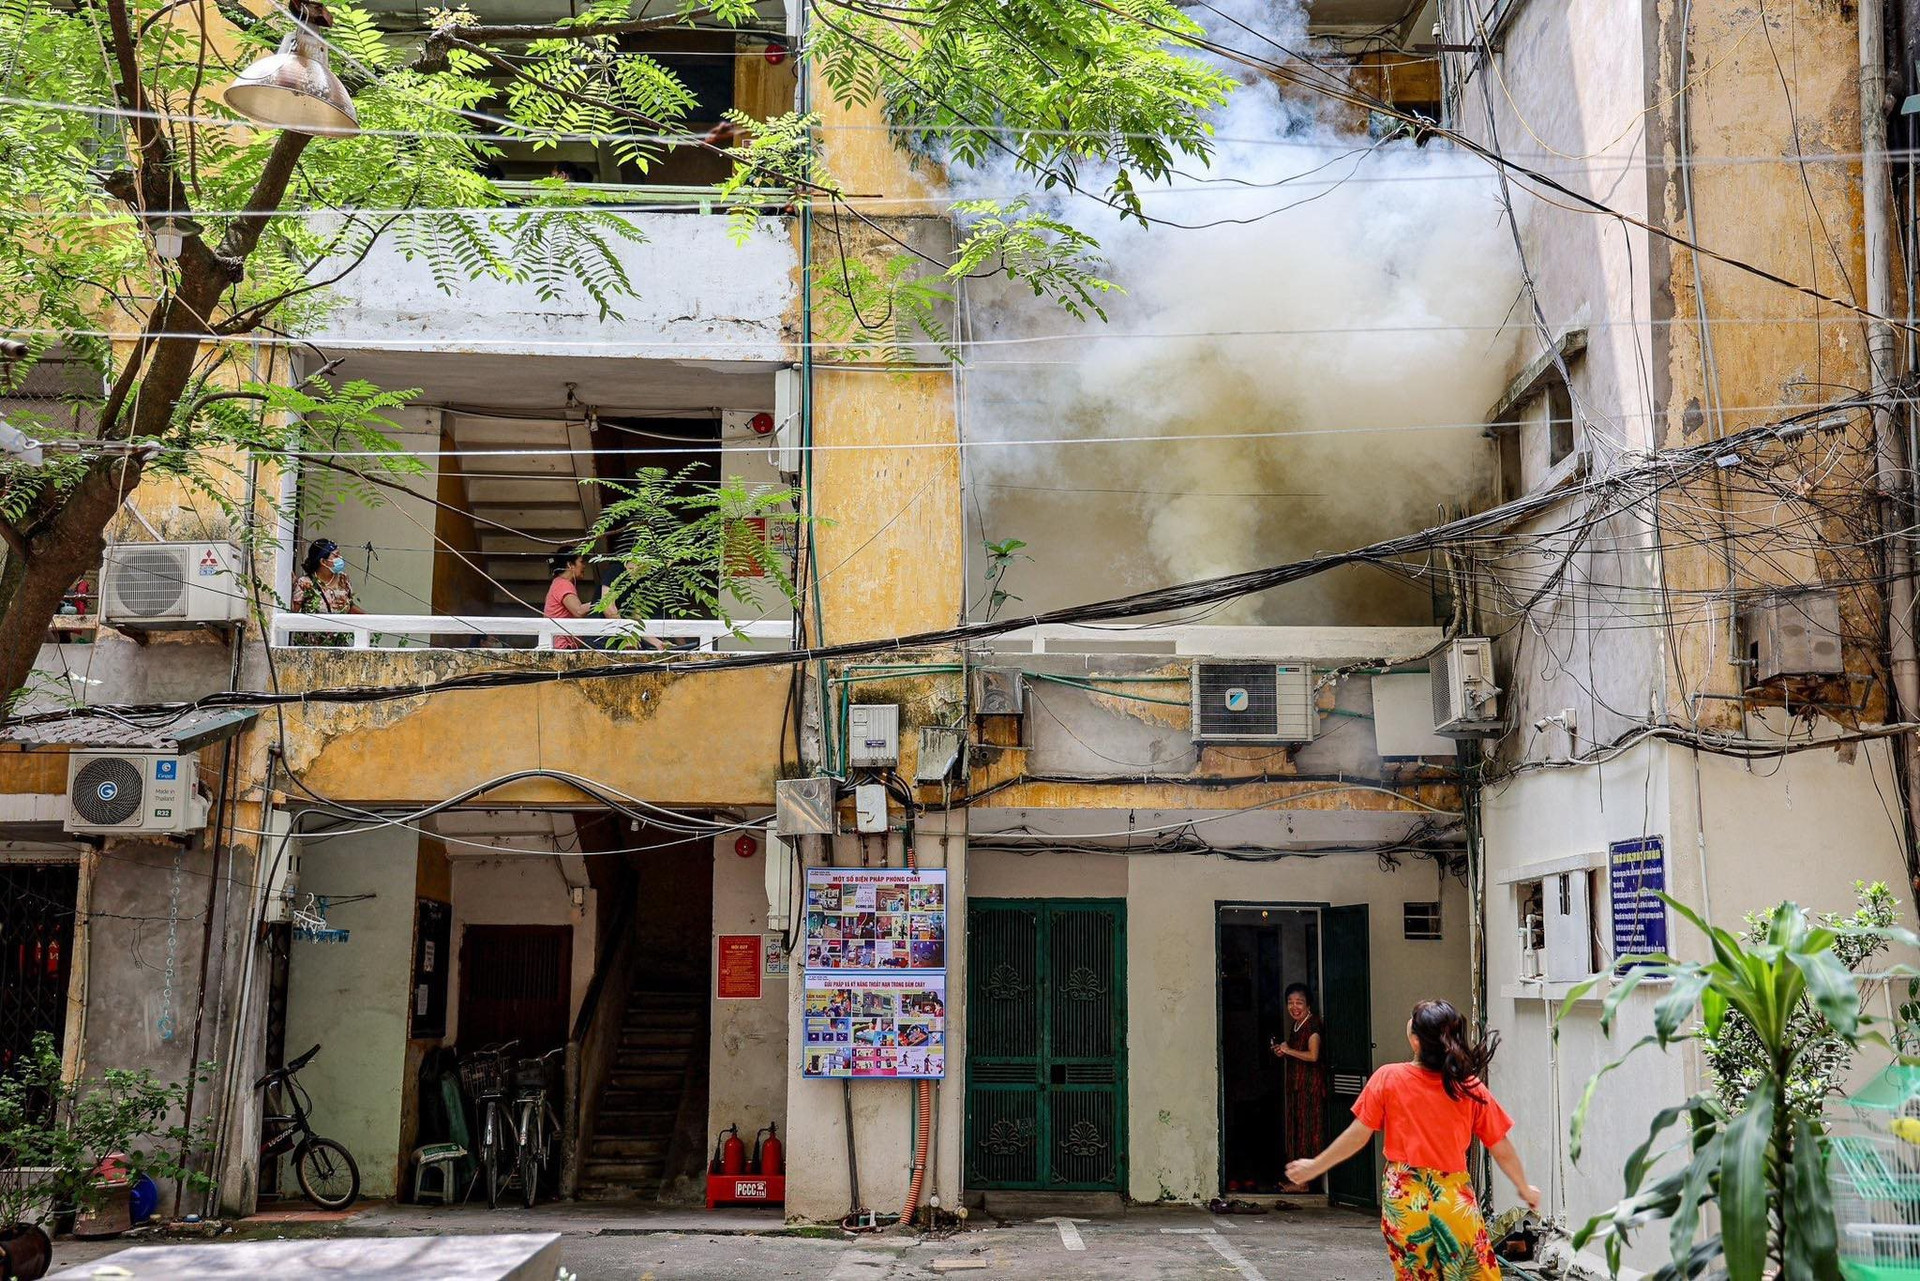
{"points": [[437, 1158]]}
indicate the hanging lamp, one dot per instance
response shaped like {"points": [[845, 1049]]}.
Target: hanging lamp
{"points": [[294, 88]]}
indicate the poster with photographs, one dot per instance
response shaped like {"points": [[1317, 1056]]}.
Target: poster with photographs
{"points": [[875, 1026], [875, 919]]}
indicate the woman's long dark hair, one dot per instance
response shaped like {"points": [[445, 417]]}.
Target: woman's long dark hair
{"points": [[1444, 1048]]}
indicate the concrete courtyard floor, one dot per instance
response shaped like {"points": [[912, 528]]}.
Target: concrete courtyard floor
{"points": [[631, 1243]]}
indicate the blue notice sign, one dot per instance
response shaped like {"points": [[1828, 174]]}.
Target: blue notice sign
{"points": [[1636, 869]]}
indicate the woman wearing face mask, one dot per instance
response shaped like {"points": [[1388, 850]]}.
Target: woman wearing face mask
{"points": [[324, 589], [1431, 1110]]}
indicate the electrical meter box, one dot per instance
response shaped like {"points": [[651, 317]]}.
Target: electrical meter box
{"points": [[873, 735]]}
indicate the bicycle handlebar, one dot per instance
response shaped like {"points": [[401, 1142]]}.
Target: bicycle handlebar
{"points": [[286, 1070]]}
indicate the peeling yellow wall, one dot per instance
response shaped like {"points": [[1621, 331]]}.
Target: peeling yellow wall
{"points": [[887, 492], [695, 739]]}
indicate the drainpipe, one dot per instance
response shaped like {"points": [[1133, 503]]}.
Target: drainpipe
{"points": [[1889, 455]]}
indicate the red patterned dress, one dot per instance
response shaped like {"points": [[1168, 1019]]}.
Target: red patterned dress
{"points": [[1306, 1097]]}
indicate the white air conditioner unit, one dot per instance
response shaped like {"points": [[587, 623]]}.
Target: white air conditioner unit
{"points": [[787, 427], [158, 585], [1254, 703], [1466, 701], [134, 794]]}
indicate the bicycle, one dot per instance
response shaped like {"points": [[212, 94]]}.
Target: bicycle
{"points": [[484, 1075], [325, 1169], [537, 1121]]}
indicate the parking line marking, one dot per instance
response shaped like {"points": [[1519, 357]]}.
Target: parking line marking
{"points": [[1224, 1248]]}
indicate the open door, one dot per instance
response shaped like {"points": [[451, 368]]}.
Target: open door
{"points": [[1349, 1046]]}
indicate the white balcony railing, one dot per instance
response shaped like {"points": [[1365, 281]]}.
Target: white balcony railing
{"points": [[442, 631]]}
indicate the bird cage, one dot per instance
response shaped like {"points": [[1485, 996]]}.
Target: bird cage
{"points": [[1873, 1166]]}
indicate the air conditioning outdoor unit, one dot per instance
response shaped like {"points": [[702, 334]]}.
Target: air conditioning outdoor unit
{"points": [[1793, 634], [1466, 701], [165, 585], [999, 691], [1254, 703], [134, 794]]}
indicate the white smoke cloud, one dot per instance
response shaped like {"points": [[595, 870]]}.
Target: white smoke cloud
{"points": [[1327, 317]]}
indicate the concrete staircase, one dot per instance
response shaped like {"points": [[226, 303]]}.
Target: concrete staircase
{"points": [[662, 1045]]}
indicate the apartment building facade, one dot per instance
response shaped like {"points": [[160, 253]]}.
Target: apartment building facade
{"points": [[1125, 841]]}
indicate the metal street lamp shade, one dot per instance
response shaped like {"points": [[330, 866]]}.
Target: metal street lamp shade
{"points": [[295, 89]]}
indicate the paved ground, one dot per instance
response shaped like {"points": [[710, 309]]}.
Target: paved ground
{"points": [[619, 1243]]}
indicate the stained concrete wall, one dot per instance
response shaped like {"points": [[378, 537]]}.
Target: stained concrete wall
{"points": [[698, 296], [353, 998], [747, 1047], [1756, 851]]}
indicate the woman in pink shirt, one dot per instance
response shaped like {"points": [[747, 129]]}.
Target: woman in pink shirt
{"points": [[563, 594], [1430, 1111]]}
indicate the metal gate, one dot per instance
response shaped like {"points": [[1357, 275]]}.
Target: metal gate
{"points": [[36, 947], [1046, 1044]]}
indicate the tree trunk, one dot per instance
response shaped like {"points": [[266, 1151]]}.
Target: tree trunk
{"points": [[63, 549]]}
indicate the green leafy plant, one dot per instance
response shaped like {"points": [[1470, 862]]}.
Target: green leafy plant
{"points": [[54, 1133], [1000, 559], [682, 549], [1762, 1164], [1734, 1053]]}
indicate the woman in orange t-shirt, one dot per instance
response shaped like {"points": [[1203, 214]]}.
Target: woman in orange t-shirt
{"points": [[1431, 1110]]}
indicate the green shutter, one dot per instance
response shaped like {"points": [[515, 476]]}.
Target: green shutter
{"points": [[1046, 1044]]}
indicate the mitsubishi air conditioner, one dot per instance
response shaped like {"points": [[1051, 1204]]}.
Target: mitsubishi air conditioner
{"points": [[164, 585], [1254, 703], [1466, 701], [134, 794]]}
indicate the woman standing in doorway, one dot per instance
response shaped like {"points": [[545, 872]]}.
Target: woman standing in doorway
{"points": [[1431, 1110], [1306, 1081]]}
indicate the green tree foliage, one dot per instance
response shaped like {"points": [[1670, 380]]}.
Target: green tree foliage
{"points": [[1762, 1163], [129, 128]]}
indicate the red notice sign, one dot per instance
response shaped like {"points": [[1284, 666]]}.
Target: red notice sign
{"points": [[737, 970]]}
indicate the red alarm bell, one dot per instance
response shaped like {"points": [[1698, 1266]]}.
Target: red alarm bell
{"points": [[746, 846], [761, 423], [776, 54]]}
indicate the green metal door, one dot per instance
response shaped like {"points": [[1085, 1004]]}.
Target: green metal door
{"points": [[1349, 1045], [1046, 1044]]}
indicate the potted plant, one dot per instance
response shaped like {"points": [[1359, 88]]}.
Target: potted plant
{"points": [[55, 1134]]}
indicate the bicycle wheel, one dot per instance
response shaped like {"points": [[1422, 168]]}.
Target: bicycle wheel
{"points": [[327, 1174], [529, 1170], [490, 1163]]}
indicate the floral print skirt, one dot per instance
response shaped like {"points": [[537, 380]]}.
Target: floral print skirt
{"points": [[1433, 1226]]}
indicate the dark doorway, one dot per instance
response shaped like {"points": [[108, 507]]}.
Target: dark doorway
{"points": [[515, 982], [1263, 950], [1046, 1045]]}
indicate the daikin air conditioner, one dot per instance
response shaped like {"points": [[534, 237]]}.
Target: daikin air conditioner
{"points": [[134, 794], [162, 585], [1466, 701], [1253, 703]]}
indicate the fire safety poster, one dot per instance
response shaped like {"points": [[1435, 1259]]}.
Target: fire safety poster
{"points": [[876, 919], [876, 1026], [875, 956]]}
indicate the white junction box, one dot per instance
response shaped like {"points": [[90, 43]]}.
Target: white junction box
{"points": [[873, 735], [870, 808]]}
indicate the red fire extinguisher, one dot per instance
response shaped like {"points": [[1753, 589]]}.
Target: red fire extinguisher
{"points": [[729, 1153], [769, 1157]]}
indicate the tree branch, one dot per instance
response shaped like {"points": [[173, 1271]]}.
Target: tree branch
{"points": [[15, 542]]}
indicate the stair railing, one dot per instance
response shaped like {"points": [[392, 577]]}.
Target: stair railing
{"points": [[593, 1040]]}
